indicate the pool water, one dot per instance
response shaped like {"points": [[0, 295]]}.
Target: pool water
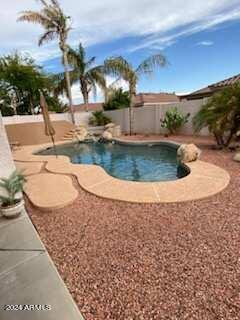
{"points": [[128, 162]]}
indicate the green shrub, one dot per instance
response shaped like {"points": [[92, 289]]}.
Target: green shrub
{"points": [[99, 119], [55, 104], [12, 185], [119, 99], [174, 120], [6, 111], [221, 115]]}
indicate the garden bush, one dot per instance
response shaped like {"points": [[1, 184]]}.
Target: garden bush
{"points": [[174, 120], [221, 115], [99, 119], [119, 99]]}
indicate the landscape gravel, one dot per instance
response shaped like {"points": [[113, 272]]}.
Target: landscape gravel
{"points": [[124, 261]]}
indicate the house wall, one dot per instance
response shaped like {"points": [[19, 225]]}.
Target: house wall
{"points": [[6, 161]]}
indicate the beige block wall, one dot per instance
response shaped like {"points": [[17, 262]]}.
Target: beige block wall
{"points": [[34, 132], [147, 119], [6, 161]]}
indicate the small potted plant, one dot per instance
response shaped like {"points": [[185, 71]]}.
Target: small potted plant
{"points": [[11, 205]]}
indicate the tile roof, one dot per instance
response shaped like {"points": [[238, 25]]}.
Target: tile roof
{"points": [[209, 90], [227, 82], [154, 98], [139, 100], [91, 107]]}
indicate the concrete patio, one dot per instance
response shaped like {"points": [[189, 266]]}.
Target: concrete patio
{"points": [[29, 277]]}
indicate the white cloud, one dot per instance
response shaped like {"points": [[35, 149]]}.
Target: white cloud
{"points": [[157, 24], [205, 43]]}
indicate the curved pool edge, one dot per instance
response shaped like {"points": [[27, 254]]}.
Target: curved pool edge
{"points": [[204, 179]]}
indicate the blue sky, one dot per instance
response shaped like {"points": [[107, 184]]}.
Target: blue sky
{"points": [[195, 61], [201, 40]]}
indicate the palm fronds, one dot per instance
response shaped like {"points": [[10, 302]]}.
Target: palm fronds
{"points": [[12, 186], [151, 63]]}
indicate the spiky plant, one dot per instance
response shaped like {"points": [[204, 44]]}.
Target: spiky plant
{"points": [[99, 119], [174, 120], [12, 186], [56, 25], [120, 67]]}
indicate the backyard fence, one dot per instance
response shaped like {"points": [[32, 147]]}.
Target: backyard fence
{"points": [[146, 120], [80, 117]]}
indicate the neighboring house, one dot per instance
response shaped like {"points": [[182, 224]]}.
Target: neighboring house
{"points": [[140, 100], [211, 89], [91, 107], [144, 99]]}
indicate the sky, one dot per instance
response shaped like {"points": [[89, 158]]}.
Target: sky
{"points": [[200, 39]]}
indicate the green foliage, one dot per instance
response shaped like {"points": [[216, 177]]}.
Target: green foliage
{"points": [[6, 111], [174, 120], [99, 119], [122, 69], [5, 102], [56, 25], [55, 104], [118, 99], [20, 80], [84, 71], [12, 185], [221, 115]]}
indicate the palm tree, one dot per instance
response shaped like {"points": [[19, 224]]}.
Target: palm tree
{"points": [[85, 72], [221, 115], [120, 67], [56, 25]]}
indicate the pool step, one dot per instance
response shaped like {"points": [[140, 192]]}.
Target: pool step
{"points": [[72, 133]]}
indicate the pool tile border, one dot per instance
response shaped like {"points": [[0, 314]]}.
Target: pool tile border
{"points": [[204, 179]]}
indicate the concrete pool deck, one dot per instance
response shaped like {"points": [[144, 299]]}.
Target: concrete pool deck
{"points": [[204, 180]]}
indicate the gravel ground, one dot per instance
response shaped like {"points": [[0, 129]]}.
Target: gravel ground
{"points": [[125, 261]]}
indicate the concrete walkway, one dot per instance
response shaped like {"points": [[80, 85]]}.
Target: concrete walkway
{"points": [[204, 180], [28, 277]]}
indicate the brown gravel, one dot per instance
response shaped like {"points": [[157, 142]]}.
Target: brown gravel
{"points": [[126, 261]]}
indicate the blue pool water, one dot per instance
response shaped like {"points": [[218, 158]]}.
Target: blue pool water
{"points": [[127, 162]]}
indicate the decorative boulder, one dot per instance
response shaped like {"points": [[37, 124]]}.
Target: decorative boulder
{"points": [[107, 135], [83, 131], [188, 153], [116, 131], [80, 134], [110, 125], [237, 157]]}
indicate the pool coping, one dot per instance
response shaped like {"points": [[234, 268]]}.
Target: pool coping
{"points": [[204, 179]]}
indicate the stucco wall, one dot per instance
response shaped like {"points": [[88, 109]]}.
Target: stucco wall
{"points": [[147, 119], [80, 117], [34, 132], [6, 161], [29, 130]]}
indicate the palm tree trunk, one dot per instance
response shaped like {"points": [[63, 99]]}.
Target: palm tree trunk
{"points": [[131, 116], [85, 99], [132, 93], [31, 105], [67, 76], [14, 104], [84, 90]]}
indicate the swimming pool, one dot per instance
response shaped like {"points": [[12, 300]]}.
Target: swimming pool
{"points": [[142, 162]]}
